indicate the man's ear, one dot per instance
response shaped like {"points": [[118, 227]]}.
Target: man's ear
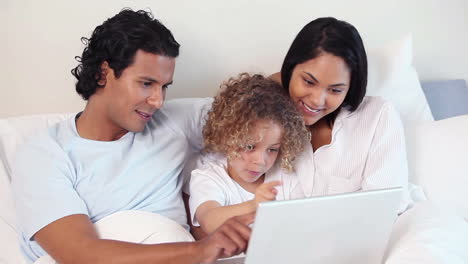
{"points": [[103, 74]]}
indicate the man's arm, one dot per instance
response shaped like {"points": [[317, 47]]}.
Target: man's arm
{"points": [[73, 239]]}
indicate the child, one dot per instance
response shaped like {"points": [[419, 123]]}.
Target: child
{"points": [[252, 123]]}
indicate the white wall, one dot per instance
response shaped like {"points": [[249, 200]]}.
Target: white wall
{"points": [[39, 40]]}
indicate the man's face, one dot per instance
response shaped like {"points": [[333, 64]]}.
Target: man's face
{"points": [[138, 93]]}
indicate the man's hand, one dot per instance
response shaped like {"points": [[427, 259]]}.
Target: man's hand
{"points": [[228, 240], [266, 192], [73, 239]]}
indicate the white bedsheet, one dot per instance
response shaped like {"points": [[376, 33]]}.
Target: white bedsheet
{"points": [[430, 235]]}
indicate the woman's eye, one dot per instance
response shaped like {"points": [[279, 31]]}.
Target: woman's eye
{"points": [[249, 147], [336, 91], [309, 82], [273, 150]]}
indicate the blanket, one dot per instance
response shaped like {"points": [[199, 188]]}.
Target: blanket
{"points": [[428, 234], [136, 227], [423, 234]]}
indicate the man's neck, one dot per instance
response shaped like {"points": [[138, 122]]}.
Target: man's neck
{"points": [[94, 124]]}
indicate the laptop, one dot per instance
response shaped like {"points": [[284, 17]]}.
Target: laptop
{"points": [[352, 228]]}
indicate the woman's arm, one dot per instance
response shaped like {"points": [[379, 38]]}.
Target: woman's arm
{"points": [[386, 164]]}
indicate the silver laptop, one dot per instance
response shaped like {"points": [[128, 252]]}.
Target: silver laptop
{"points": [[352, 228]]}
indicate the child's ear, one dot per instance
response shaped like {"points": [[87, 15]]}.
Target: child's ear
{"points": [[103, 74]]}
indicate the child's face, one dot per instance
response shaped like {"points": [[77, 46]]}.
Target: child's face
{"points": [[258, 157]]}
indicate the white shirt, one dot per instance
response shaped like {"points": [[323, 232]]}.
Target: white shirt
{"points": [[367, 151], [211, 182]]}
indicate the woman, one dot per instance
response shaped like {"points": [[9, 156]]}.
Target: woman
{"points": [[357, 142]]}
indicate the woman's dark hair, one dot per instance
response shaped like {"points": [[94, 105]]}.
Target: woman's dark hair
{"points": [[116, 41], [335, 37]]}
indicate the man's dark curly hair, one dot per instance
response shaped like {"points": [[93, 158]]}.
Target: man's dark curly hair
{"points": [[116, 41]]}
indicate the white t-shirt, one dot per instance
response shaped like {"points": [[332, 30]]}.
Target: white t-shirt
{"points": [[211, 182], [58, 173], [367, 151]]}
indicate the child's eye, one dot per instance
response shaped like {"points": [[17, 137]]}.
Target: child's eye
{"points": [[273, 150], [249, 147]]}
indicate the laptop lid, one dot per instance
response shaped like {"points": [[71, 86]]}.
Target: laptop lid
{"points": [[351, 228]]}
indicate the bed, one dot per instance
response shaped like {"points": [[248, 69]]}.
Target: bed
{"points": [[435, 116]]}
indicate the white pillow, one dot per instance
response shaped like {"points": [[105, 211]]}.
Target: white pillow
{"points": [[13, 132], [9, 245], [438, 161], [392, 76], [7, 211]]}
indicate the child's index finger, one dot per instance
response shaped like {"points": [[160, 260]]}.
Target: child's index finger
{"points": [[273, 184]]}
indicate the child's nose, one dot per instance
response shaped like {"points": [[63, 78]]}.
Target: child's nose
{"points": [[259, 158]]}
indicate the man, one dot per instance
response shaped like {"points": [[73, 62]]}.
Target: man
{"points": [[125, 151]]}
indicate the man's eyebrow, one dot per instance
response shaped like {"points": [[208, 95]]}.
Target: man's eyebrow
{"points": [[146, 78]]}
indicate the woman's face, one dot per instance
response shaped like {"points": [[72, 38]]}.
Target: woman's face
{"points": [[319, 86]]}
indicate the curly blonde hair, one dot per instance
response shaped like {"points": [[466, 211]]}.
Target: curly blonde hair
{"points": [[241, 102]]}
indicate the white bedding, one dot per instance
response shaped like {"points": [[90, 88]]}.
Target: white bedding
{"points": [[423, 234], [430, 235], [136, 227]]}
